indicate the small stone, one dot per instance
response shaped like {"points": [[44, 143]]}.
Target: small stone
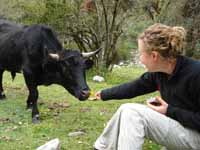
{"points": [[78, 133], [98, 79]]}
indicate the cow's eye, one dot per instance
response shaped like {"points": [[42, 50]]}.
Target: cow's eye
{"points": [[72, 61], [66, 69]]}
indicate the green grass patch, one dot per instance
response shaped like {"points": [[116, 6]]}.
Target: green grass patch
{"points": [[60, 113]]}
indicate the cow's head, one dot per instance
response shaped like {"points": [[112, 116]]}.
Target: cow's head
{"points": [[72, 66]]}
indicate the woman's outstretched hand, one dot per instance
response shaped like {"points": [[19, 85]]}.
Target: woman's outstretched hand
{"points": [[98, 95], [95, 96]]}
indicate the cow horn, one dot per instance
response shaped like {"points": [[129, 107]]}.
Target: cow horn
{"points": [[54, 56], [89, 54]]}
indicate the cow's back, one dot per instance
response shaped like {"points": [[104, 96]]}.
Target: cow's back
{"points": [[27, 45], [7, 26], [10, 52]]}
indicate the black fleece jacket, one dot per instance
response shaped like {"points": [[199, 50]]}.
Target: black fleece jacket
{"points": [[181, 91]]}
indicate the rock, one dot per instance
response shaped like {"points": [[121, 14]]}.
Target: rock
{"points": [[116, 66], [121, 63], [78, 133], [51, 145], [98, 78]]}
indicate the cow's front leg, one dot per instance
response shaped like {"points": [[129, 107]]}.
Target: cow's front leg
{"points": [[29, 102], [32, 99], [33, 95], [2, 95]]}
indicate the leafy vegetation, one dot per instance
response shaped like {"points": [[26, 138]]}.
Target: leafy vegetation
{"points": [[61, 114], [110, 24]]}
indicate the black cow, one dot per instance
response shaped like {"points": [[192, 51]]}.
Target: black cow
{"points": [[36, 51]]}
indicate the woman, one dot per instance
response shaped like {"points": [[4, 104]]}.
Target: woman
{"points": [[172, 119]]}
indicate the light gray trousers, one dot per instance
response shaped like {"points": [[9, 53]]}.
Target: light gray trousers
{"points": [[133, 122]]}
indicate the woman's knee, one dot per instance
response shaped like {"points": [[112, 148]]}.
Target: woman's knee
{"points": [[133, 107]]}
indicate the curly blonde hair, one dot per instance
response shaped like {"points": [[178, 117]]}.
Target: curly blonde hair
{"points": [[168, 41]]}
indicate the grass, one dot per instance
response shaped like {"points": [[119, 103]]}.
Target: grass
{"points": [[60, 114]]}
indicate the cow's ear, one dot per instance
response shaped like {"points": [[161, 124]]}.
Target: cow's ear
{"points": [[88, 63]]}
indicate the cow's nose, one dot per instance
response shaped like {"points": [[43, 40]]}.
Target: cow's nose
{"points": [[85, 93]]}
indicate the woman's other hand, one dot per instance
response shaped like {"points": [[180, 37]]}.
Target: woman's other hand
{"points": [[158, 105]]}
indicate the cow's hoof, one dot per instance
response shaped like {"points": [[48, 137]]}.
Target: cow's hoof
{"points": [[2, 97], [28, 109], [36, 119]]}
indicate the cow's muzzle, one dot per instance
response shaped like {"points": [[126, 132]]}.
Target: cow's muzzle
{"points": [[84, 95]]}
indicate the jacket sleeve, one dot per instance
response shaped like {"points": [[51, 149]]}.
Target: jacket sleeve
{"points": [[145, 84]]}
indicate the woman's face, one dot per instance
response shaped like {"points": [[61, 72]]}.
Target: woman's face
{"points": [[148, 59]]}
